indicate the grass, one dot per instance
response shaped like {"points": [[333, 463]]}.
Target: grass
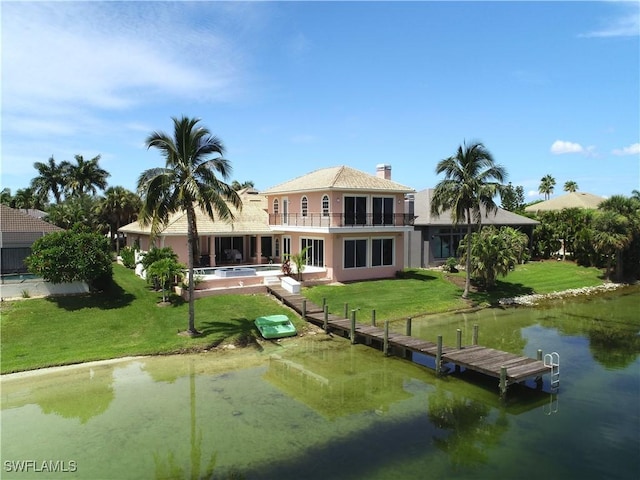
{"points": [[422, 292], [126, 320]]}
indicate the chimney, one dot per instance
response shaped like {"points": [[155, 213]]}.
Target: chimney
{"points": [[383, 171]]}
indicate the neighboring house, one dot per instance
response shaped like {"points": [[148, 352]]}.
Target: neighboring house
{"points": [[435, 238], [18, 231], [568, 200], [248, 239], [353, 223]]}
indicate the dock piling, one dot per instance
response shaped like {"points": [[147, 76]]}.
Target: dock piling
{"points": [[408, 327], [439, 356], [352, 333], [385, 347], [474, 339]]}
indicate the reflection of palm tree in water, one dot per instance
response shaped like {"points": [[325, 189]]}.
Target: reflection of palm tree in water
{"points": [[470, 434], [173, 470]]}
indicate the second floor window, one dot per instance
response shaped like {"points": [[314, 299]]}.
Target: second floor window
{"points": [[355, 210], [383, 210], [305, 206], [325, 206], [276, 206]]}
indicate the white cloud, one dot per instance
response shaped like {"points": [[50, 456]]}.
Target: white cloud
{"points": [[630, 150], [97, 56], [560, 147], [626, 24]]}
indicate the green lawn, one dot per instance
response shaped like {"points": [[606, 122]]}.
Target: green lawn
{"points": [[430, 291], [126, 321]]}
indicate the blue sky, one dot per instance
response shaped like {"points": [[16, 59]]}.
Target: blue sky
{"points": [[290, 87]]}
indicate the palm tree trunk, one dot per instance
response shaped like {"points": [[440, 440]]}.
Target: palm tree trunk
{"points": [[467, 281], [190, 240]]}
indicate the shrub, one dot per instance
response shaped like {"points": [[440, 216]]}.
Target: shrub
{"points": [[71, 256], [128, 256]]}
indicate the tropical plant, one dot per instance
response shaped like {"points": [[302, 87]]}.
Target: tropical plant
{"points": [[128, 256], [628, 257], [5, 197], [81, 210], [570, 186], [118, 207], [72, 255], [513, 198], [236, 185], [163, 272], [546, 186], [85, 176], [494, 252], [299, 260], [610, 237], [472, 179], [156, 254], [50, 179], [27, 198], [188, 181]]}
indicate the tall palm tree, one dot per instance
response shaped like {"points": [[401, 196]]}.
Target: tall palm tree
{"points": [[610, 237], [546, 186], [50, 179], [86, 176], [27, 198], [472, 179], [570, 186], [187, 181], [119, 207]]}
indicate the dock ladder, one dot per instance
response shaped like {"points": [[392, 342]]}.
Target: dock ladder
{"points": [[552, 360]]}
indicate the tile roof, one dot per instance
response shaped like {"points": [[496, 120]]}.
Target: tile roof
{"points": [[253, 219], [568, 200], [338, 178], [422, 211], [17, 221]]}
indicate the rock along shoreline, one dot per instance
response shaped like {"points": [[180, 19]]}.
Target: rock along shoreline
{"points": [[534, 299]]}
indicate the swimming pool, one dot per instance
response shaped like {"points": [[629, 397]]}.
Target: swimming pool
{"points": [[18, 278], [208, 273]]}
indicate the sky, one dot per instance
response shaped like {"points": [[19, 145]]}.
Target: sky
{"points": [[292, 87]]}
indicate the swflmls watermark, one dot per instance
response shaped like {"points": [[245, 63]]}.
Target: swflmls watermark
{"points": [[41, 466]]}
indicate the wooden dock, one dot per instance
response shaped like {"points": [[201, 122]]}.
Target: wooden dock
{"points": [[507, 367]]}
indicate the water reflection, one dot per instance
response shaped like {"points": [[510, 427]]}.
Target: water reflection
{"points": [[321, 408]]}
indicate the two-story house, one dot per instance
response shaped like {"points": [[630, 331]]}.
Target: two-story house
{"points": [[352, 223]]}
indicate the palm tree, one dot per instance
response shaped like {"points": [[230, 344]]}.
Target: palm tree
{"points": [[27, 198], [187, 181], [468, 184], [610, 237], [119, 207], [86, 176], [50, 179], [236, 185], [546, 186], [5, 197], [570, 186]]}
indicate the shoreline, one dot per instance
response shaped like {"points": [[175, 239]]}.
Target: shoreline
{"points": [[523, 300], [535, 298]]}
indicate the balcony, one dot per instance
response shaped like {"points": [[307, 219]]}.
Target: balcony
{"points": [[320, 220]]}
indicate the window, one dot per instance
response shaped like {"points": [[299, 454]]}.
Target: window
{"points": [[383, 210], [355, 253], [276, 206], [381, 252], [446, 241], [355, 210], [315, 254], [325, 206], [305, 206], [276, 247]]}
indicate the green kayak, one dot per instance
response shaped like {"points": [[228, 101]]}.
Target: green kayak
{"points": [[275, 326]]}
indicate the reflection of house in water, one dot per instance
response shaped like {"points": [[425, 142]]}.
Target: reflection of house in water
{"points": [[336, 392]]}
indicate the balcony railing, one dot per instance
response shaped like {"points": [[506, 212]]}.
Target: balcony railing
{"points": [[319, 220]]}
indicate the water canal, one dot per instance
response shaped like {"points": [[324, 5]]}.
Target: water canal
{"points": [[316, 407]]}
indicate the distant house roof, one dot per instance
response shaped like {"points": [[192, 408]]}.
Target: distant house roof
{"points": [[18, 221], [568, 200], [340, 178], [253, 219], [424, 217]]}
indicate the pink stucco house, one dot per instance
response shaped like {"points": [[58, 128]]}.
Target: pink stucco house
{"points": [[352, 222]]}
